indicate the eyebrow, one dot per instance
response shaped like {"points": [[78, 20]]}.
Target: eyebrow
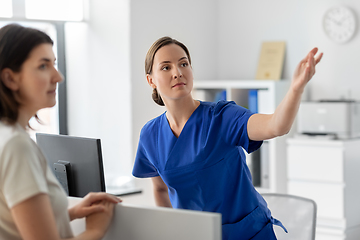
{"points": [[46, 60], [170, 62]]}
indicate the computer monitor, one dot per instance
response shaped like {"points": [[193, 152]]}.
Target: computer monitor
{"points": [[76, 162]]}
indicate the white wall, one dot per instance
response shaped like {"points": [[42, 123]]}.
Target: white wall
{"points": [[98, 82], [244, 25], [224, 38], [108, 94], [195, 23]]}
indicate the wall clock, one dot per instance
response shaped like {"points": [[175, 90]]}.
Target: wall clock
{"points": [[339, 24]]}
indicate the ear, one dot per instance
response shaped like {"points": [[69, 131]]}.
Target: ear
{"points": [[150, 81], [8, 77]]}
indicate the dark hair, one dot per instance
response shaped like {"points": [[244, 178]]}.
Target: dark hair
{"points": [[16, 43], [149, 60]]}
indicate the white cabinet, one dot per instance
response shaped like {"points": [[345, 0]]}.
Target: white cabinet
{"points": [[269, 95], [328, 171]]}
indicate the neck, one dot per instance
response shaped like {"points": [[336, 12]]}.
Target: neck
{"points": [[24, 117], [179, 111]]}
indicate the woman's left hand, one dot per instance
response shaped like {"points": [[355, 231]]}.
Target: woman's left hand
{"points": [[305, 70], [89, 204]]}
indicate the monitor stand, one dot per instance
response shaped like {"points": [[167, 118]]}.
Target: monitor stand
{"points": [[62, 173]]}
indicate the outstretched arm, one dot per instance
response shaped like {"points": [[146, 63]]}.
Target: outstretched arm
{"points": [[267, 126]]}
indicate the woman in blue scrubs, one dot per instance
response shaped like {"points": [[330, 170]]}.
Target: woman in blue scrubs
{"points": [[194, 151]]}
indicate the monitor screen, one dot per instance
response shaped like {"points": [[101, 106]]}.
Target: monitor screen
{"points": [[75, 161]]}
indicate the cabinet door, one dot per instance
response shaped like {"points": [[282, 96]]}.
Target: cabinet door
{"points": [[315, 163], [328, 197]]}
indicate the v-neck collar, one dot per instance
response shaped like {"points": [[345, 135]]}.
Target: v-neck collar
{"points": [[182, 130]]}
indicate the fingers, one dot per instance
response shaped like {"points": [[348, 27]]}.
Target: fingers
{"points": [[101, 196], [313, 60], [318, 58], [99, 207], [314, 51], [109, 206], [94, 209], [105, 206]]}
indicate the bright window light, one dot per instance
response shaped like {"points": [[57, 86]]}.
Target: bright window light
{"points": [[6, 9], [65, 10]]}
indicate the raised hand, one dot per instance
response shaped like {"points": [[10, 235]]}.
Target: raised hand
{"points": [[305, 70]]}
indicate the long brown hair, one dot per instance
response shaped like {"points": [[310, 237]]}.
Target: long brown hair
{"points": [[16, 43], [149, 60]]}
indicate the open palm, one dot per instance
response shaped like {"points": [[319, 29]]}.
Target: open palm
{"points": [[305, 70]]}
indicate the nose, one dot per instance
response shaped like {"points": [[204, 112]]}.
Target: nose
{"points": [[58, 77], [177, 73]]}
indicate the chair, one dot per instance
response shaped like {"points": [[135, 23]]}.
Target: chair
{"points": [[297, 214]]}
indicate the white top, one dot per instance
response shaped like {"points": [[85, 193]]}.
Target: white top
{"points": [[24, 173]]}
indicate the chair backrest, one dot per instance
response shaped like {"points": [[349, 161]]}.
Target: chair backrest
{"points": [[297, 214]]}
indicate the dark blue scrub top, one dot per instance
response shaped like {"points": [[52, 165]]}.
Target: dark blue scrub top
{"points": [[205, 167]]}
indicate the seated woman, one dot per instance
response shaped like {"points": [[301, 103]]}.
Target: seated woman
{"points": [[33, 205]]}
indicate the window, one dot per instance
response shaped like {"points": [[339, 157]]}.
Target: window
{"points": [[63, 10], [53, 120], [6, 10]]}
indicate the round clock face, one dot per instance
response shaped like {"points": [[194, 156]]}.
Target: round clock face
{"points": [[340, 24]]}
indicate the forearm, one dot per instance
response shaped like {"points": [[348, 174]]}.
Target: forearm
{"points": [[284, 115], [162, 198], [161, 194]]}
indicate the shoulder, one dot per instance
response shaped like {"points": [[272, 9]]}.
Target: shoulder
{"points": [[19, 146], [151, 127], [19, 151], [12, 135], [222, 105]]}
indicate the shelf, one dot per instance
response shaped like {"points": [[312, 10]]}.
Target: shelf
{"points": [[243, 84]]}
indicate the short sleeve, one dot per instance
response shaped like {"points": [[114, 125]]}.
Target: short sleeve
{"points": [[143, 167], [21, 172], [233, 125]]}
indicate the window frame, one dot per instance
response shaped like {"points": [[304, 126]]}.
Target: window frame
{"points": [[18, 8]]}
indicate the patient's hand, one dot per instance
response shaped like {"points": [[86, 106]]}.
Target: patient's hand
{"points": [[305, 70], [90, 204], [97, 223]]}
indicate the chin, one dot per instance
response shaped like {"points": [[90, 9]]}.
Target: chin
{"points": [[50, 105]]}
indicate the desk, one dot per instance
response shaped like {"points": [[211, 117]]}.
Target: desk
{"points": [[132, 222]]}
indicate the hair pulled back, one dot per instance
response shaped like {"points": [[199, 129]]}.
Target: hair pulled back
{"points": [[16, 43], [149, 60]]}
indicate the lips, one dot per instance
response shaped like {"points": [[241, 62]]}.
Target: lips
{"points": [[179, 84]]}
